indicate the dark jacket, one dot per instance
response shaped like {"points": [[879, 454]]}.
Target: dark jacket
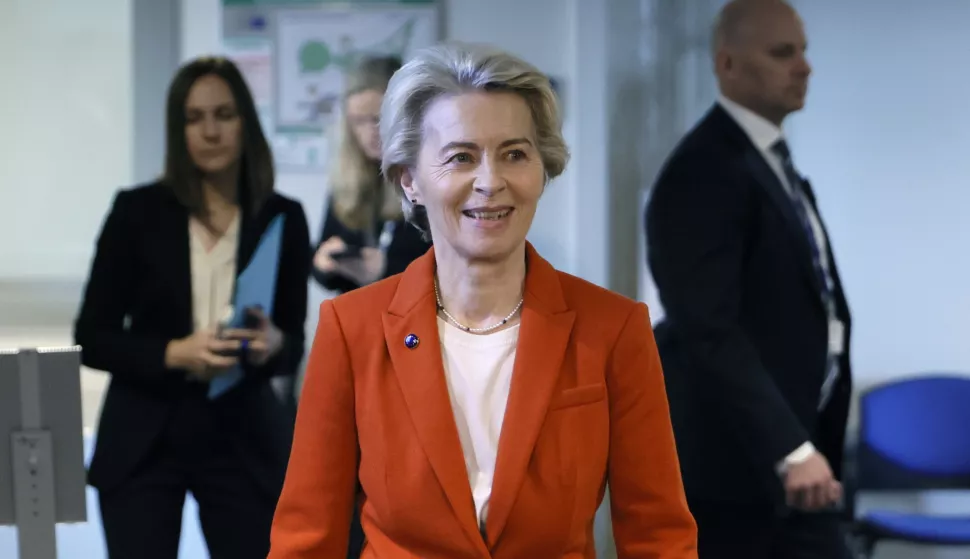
{"points": [[406, 245], [745, 339], [138, 299]]}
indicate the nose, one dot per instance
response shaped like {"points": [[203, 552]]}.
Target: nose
{"points": [[804, 67], [489, 180], [210, 128]]}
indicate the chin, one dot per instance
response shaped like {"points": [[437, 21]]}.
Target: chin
{"points": [[215, 167], [798, 103]]}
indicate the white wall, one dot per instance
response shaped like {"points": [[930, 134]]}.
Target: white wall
{"points": [[66, 133], [884, 140]]}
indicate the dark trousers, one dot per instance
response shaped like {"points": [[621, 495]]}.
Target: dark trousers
{"points": [[731, 531], [142, 517]]}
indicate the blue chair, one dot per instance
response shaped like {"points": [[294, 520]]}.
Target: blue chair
{"points": [[914, 435]]}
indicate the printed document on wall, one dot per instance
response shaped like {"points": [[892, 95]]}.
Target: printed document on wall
{"points": [[315, 48]]}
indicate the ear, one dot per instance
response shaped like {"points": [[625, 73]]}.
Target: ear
{"points": [[408, 184], [723, 62]]}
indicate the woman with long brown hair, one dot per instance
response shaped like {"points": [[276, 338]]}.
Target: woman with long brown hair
{"points": [[162, 279]]}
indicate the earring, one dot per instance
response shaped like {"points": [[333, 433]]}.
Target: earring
{"points": [[414, 200]]}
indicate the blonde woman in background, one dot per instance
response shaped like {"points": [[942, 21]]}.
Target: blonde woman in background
{"points": [[364, 237]]}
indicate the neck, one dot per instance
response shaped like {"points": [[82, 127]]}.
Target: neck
{"points": [[221, 190], [480, 294], [775, 117]]}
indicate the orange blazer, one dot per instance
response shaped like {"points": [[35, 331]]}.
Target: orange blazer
{"points": [[587, 406]]}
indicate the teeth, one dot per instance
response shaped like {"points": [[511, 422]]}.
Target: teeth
{"points": [[489, 215]]}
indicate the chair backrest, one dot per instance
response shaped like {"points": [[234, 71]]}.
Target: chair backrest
{"points": [[915, 434]]}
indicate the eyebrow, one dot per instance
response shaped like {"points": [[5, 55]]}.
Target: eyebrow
{"points": [[220, 106], [473, 146]]}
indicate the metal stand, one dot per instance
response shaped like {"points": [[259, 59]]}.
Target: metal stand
{"points": [[33, 478], [33, 470]]}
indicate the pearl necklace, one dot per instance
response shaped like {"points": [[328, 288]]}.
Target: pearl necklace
{"points": [[503, 322]]}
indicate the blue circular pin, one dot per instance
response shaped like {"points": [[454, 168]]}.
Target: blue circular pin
{"points": [[411, 341]]}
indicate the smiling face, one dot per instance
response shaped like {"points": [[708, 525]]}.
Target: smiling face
{"points": [[478, 174], [213, 128]]}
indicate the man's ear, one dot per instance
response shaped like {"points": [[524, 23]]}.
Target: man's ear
{"points": [[723, 62], [407, 183]]}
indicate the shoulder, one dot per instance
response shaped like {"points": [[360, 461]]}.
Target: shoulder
{"points": [[278, 203], [710, 145], [142, 205], [709, 163], [600, 313], [145, 196], [362, 309], [295, 224]]}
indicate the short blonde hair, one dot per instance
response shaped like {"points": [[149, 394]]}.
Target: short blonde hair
{"points": [[454, 68]]}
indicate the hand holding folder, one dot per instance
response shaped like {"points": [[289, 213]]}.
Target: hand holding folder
{"points": [[255, 288]]}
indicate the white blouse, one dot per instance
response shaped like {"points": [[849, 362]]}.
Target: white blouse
{"points": [[478, 370], [213, 273]]}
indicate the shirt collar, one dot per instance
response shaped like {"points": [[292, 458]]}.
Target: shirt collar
{"points": [[763, 133]]}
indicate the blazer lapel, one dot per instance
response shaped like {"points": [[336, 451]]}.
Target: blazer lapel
{"points": [[420, 374], [174, 228], [768, 180], [544, 334]]}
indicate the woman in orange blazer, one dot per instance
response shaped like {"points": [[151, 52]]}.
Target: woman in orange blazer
{"points": [[482, 398]]}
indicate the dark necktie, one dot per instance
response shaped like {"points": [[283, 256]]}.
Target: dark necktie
{"points": [[801, 206]]}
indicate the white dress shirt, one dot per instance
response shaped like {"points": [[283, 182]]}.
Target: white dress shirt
{"points": [[764, 134], [478, 370]]}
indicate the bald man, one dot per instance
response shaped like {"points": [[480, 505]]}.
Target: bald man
{"points": [[755, 340]]}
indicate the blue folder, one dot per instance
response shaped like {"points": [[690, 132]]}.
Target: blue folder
{"points": [[255, 287]]}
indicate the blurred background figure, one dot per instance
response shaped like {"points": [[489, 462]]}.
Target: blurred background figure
{"points": [[364, 236], [755, 342], [162, 279]]}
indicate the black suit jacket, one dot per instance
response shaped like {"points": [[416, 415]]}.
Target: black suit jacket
{"points": [[138, 298], [406, 245], [745, 339]]}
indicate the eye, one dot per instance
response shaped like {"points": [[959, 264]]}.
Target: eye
{"points": [[783, 51], [461, 157], [515, 155]]}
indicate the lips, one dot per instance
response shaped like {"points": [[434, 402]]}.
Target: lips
{"points": [[488, 214]]}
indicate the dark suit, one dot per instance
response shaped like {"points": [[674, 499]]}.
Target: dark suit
{"points": [[745, 339], [159, 436], [406, 245]]}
